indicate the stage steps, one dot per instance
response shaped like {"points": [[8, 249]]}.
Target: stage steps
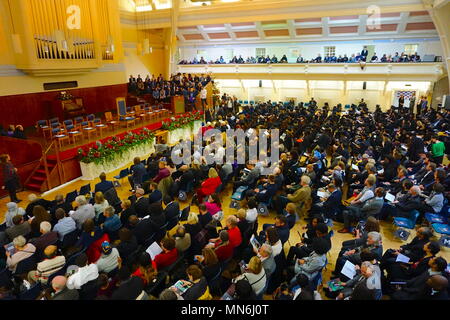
{"points": [[38, 180]]}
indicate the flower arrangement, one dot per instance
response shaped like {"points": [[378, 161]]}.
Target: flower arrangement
{"points": [[187, 120], [64, 96], [114, 147]]}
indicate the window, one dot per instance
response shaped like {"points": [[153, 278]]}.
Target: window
{"points": [[260, 52], [330, 51], [228, 54], [411, 48]]}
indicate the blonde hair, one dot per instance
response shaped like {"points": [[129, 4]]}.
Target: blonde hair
{"points": [[371, 179], [241, 214], [212, 173], [192, 218], [126, 203], [255, 265], [99, 198]]}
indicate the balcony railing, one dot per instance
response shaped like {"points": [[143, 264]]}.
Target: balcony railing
{"points": [[426, 71]]}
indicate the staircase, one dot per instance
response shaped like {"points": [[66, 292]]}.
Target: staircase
{"points": [[48, 173], [37, 181]]}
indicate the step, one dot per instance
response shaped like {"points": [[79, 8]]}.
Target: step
{"points": [[32, 186], [41, 171], [38, 178]]}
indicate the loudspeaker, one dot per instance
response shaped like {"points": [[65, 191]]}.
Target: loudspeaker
{"points": [[364, 85], [260, 83]]}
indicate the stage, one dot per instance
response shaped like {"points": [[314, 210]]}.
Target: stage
{"points": [[67, 156]]}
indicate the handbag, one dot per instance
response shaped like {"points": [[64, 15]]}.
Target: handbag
{"points": [[263, 210], [202, 237], [182, 196]]}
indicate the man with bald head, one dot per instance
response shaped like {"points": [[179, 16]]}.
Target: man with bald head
{"points": [[61, 290], [51, 264], [436, 288]]}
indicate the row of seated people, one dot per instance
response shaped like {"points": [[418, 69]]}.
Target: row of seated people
{"points": [[299, 201], [353, 58], [13, 131], [196, 238]]}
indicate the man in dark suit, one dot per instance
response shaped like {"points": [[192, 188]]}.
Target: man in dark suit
{"points": [[332, 205], [428, 177], [141, 229], [172, 208], [138, 173], [103, 185], [416, 147], [59, 202], [155, 194], [401, 102], [329, 207], [140, 206], [364, 53], [130, 288]]}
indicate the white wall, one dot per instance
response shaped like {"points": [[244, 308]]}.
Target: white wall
{"points": [[310, 50]]}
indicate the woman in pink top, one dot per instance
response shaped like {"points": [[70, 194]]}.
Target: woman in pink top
{"points": [[213, 204]]}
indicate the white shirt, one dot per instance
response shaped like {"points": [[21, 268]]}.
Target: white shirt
{"points": [[251, 215], [276, 248], [203, 94], [108, 263], [82, 276]]}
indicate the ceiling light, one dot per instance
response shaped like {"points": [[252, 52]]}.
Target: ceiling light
{"points": [[229, 0]]}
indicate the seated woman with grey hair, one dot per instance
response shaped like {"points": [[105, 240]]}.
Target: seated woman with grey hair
{"points": [[22, 250], [373, 244], [265, 253], [84, 211], [112, 223]]}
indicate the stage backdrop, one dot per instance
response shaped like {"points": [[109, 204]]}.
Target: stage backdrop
{"points": [[26, 109]]}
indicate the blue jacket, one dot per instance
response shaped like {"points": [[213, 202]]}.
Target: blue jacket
{"points": [[332, 205], [103, 186], [138, 173], [112, 224]]}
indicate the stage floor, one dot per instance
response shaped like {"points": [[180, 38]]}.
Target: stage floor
{"points": [[83, 141]]}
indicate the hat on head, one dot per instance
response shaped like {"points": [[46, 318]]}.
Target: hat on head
{"points": [[106, 247]]}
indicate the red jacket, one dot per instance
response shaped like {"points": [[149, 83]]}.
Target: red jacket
{"points": [[95, 249], [210, 185], [165, 259], [235, 237], [224, 252]]}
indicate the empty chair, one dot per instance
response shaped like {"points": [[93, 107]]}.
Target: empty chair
{"points": [[123, 174], [71, 196], [112, 197], [90, 117], [86, 189], [43, 126], [79, 120], [53, 120], [110, 120]]}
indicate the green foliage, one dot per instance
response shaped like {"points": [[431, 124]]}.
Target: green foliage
{"points": [[115, 147]]}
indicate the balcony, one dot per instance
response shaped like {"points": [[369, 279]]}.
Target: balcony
{"points": [[423, 71]]}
